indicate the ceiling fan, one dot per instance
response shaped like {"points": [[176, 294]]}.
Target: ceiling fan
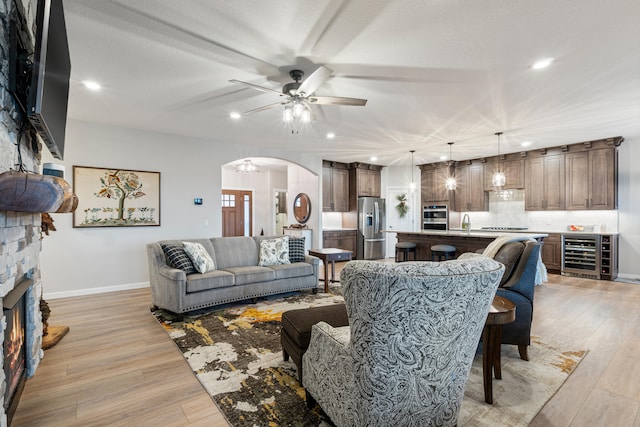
{"points": [[298, 96]]}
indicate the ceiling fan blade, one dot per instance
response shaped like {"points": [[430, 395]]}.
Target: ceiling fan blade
{"points": [[264, 107], [336, 100], [260, 88], [314, 81]]}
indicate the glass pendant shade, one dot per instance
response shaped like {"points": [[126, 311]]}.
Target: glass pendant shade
{"points": [[450, 183], [412, 184], [499, 179]]}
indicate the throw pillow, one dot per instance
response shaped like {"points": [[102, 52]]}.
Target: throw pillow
{"points": [[274, 251], [296, 249], [177, 257], [199, 256]]}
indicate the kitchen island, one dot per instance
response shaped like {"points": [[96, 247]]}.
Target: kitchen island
{"points": [[463, 241]]}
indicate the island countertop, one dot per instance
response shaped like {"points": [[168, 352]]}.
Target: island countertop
{"points": [[463, 241], [471, 234]]}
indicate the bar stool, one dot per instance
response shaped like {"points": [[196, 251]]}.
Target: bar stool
{"points": [[441, 251], [405, 248]]}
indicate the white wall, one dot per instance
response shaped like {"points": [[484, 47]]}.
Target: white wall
{"points": [[629, 208], [78, 261]]}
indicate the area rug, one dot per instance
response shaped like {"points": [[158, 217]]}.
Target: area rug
{"points": [[235, 353]]}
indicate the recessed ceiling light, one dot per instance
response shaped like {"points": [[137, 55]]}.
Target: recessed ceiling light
{"points": [[235, 115], [526, 143], [543, 63], [331, 135], [373, 158], [94, 86], [444, 157]]}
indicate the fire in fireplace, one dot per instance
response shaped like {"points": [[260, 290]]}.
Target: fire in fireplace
{"points": [[14, 310]]}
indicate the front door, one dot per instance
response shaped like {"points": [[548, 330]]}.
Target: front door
{"points": [[237, 213]]}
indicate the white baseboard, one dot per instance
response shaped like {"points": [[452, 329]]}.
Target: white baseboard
{"points": [[630, 277], [91, 291]]}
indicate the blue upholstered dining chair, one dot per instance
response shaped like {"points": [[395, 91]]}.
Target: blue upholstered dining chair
{"points": [[405, 357]]}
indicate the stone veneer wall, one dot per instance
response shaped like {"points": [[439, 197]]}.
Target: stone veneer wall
{"points": [[19, 232]]}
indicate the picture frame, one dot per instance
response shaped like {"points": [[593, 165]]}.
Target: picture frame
{"points": [[113, 197]]}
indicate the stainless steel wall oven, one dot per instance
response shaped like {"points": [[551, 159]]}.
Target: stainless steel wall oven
{"points": [[435, 217]]}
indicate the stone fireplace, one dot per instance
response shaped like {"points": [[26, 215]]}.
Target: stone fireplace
{"points": [[20, 242]]}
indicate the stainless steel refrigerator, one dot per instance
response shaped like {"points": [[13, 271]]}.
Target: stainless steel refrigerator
{"points": [[371, 223]]}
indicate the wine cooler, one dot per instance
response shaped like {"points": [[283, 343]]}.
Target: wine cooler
{"points": [[581, 255]]}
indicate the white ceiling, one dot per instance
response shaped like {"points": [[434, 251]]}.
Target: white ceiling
{"points": [[433, 71]]}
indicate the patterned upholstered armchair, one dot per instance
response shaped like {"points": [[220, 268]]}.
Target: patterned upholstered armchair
{"points": [[405, 357]]}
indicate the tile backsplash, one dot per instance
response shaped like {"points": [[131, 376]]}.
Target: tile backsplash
{"points": [[507, 210]]}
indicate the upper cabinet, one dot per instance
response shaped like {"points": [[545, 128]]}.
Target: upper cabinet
{"points": [[573, 177], [591, 183], [513, 171], [335, 187], [544, 183], [432, 180], [365, 179], [470, 195]]}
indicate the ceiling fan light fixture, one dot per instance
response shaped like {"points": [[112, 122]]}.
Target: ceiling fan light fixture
{"points": [[306, 116], [287, 114], [297, 109]]}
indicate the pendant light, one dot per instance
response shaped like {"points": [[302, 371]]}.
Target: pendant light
{"points": [[450, 183], [412, 184], [499, 179]]}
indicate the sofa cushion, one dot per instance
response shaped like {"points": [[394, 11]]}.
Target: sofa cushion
{"points": [[509, 255], [296, 249], [296, 269], [274, 251], [210, 280], [251, 274], [235, 251], [199, 256], [177, 257]]}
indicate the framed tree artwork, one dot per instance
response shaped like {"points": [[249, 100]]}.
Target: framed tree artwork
{"points": [[116, 197]]}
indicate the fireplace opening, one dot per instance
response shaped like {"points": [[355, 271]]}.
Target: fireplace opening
{"points": [[14, 310]]}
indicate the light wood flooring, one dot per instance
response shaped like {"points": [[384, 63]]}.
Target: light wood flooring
{"points": [[117, 366]]}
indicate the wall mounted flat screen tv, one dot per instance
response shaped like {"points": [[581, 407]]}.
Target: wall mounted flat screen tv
{"points": [[49, 88]]}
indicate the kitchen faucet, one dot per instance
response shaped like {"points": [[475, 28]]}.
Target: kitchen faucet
{"points": [[466, 223]]}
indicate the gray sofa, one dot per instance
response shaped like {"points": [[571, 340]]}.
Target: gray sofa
{"points": [[237, 275]]}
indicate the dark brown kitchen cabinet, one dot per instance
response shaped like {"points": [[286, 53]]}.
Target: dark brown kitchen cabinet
{"points": [[591, 183], [545, 183], [469, 193], [551, 253], [513, 171], [335, 187], [365, 179], [341, 239], [432, 180]]}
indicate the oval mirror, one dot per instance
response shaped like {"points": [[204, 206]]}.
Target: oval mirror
{"points": [[302, 208]]}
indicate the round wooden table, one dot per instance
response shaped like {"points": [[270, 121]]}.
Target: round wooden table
{"points": [[502, 311]]}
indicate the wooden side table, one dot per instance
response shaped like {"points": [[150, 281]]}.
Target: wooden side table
{"points": [[330, 255], [502, 311]]}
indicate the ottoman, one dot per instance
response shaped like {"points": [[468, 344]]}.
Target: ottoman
{"points": [[296, 329]]}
